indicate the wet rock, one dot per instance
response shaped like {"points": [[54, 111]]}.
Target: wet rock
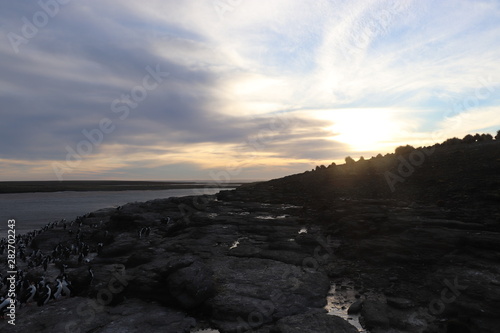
{"points": [[355, 307], [312, 323], [374, 314]]}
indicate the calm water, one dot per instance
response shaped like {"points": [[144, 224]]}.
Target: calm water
{"points": [[34, 210]]}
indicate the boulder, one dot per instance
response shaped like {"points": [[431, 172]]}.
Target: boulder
{"points": [[374, 314], [355, 307], [191, 285]]}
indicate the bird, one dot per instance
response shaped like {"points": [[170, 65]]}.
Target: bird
{"points": [[82, 282], [89, 278], [41, 282], [99, 248], [45, 296], [86, 250], [28, 296], [66, 287], [62, 268], [46, 263], [58, 289], [4, 303]]}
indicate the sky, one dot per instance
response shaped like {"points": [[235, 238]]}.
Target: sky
{"points": [[237, 89]]}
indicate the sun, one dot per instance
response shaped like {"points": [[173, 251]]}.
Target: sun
{"points": [[363, 129]]}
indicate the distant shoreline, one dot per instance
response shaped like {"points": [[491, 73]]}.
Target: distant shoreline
{"points": [[103, 185]]}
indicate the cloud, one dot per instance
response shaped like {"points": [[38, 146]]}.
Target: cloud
{"points": [[232, 75]]}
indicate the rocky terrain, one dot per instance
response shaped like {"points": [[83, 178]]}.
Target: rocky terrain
{"points": [[235, 266], [312, 252]]}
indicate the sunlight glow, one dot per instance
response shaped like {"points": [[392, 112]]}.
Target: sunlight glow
{"points": [[364, 129]]}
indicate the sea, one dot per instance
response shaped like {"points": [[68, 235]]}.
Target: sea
{"points": [[34, 210]]}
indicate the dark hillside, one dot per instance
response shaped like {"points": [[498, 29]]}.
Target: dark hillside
{"points": [[451, 175]]}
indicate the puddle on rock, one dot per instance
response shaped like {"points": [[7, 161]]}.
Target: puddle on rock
{"points": [[265, 217], [339, 298], [271, 217]]}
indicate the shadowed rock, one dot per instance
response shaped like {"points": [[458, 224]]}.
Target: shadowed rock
{"points": [[312, 323]]}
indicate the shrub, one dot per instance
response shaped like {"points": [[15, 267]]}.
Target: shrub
{"points": [[453, 141], [486, 137], [469, 139], [349, 160], [498, 135], [403, 150]]}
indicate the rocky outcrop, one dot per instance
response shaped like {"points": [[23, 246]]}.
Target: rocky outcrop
{"points": [[260, 291]]}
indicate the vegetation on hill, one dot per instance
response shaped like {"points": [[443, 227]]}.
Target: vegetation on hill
{"points": [[454, 172], [407, 149]]}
